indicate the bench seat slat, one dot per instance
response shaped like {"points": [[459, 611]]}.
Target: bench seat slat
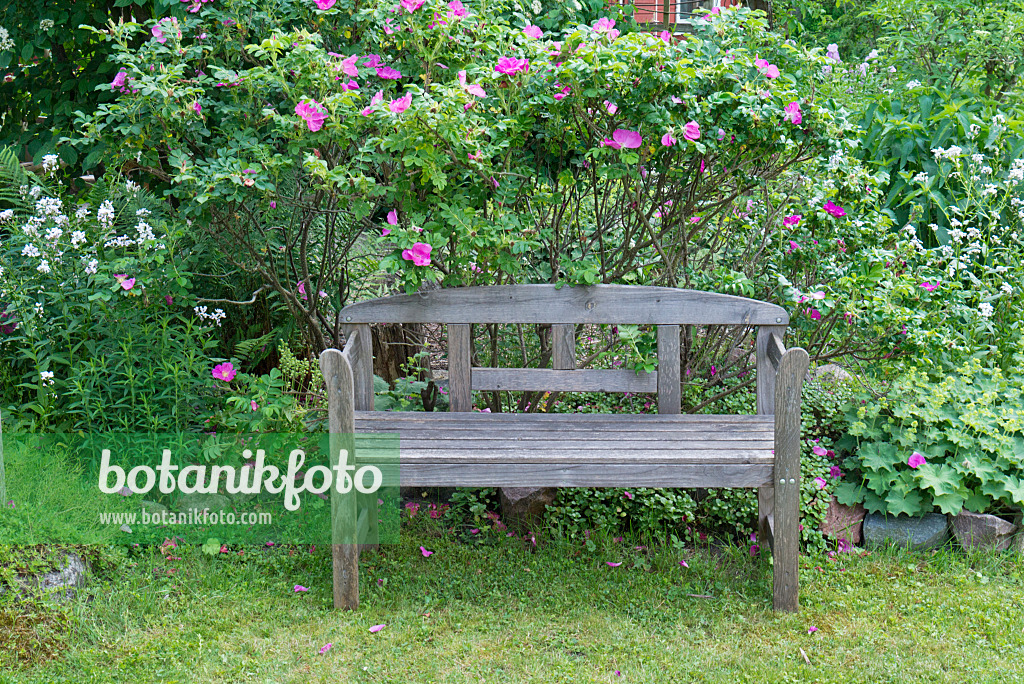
{"points": [[635, 420], [584, 475]]}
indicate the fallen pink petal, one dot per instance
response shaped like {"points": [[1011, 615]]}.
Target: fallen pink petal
{"points": [[376, 628]]}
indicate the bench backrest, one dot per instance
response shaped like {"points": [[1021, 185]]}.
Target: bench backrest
{"points": [[563, 308]]}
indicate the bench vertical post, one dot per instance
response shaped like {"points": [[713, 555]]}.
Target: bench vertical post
{"points": [[786, 552], [337, 372], [669, 399], [460, 354], [563, 346], [361, 361], [766, 407]]}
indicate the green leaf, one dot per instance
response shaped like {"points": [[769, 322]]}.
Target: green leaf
{"points": [[910, 504]]}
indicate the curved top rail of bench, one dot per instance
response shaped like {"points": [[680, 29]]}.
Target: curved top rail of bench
{"points": [[616, 304]]}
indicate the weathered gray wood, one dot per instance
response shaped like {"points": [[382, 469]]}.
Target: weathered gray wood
{"points": [[765, 516], [563, 346], [460, 350], [786, 479], [767, 337], [518, 379], [360, 341], [582, 475], [549, 304], [765, 368], [644, 420], [775, 349], [444, 451], [668, 369], [337, 372], [552, 431]]}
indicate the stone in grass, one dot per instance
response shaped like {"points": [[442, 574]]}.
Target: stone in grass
{"points": [[844, 522], [524, 506], [982, 531], [58, 584], [929, 531], [213, 503]]}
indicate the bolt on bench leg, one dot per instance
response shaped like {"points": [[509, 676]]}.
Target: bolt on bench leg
{"points": [[786, 551]]}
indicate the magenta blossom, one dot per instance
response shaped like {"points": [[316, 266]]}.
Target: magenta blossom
{"points": [[793, 114], [666, 37], [511, 65], [388, 73], [835, 472], [377, 99], [401, 104], [299, 588], [623, 138], [197, 108], [371, 61], [769, 70], [611, 107], [532, 31], [328, 646], [820, 482], [613, 565], [457, 9], [253, 405], [691, 131], [815, 315], [419, 254], [791, 221], [324, 5], [119, 80], [916, 460], [426, 554], [224, 371], [562, 93], [393, 218], [311, 113], [668, 141], [472, 89], [158, 34], [412, 5], [606, 26], [834, 209], [819, 450], [930, 286]]}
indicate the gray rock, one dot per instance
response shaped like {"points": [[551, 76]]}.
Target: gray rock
{"points": [[831, 373], [920, 534], [58, 584], [524, 506], [844, 522], [214, 503], [982, 531], [153, 507]]}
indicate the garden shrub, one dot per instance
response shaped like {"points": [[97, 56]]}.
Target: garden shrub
{"points": [[948, 443]]}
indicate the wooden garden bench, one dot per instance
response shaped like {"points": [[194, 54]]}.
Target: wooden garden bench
{"points": [[474, 449]]}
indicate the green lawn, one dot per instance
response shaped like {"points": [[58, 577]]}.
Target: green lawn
{"points": [[506, 613]]}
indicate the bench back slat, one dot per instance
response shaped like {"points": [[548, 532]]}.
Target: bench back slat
{"points": [[610, 304], [545, 379], [460, 354], [563, 346]]}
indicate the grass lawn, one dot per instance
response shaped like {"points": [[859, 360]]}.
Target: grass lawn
{"points": [[507, 613]]}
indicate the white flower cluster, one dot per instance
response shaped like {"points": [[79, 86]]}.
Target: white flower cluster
{"points": [[46, 24], [1017, 170], [952, 153], [985, 309], [215, 318], [50, 163], [92, 267], [46, 377], [5, 40], [106, 214], [913, 84], [6, 215]]}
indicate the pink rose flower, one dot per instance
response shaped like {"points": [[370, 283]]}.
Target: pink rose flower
{"points": [[791, 221], [119, 80], [419, 254], [532, 31], [691, 131], [311, 113], [511, 65], [916, 460], [834, 209], [401, 104], [224, 371], [793, 114], [324, 5], [412, 5], [668, 141]]}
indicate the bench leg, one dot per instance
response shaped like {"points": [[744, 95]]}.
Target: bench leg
{"points": [[786, 480], [765, 517], [346, 576]]}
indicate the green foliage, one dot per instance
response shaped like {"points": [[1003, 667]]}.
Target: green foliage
{"points": [[968, 426], [53, 66]]}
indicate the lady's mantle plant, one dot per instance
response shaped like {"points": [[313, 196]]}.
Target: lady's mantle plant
{"points": [[948, 444]]}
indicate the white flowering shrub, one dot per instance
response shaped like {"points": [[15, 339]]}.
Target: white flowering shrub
{"points": [[97, 328]]}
